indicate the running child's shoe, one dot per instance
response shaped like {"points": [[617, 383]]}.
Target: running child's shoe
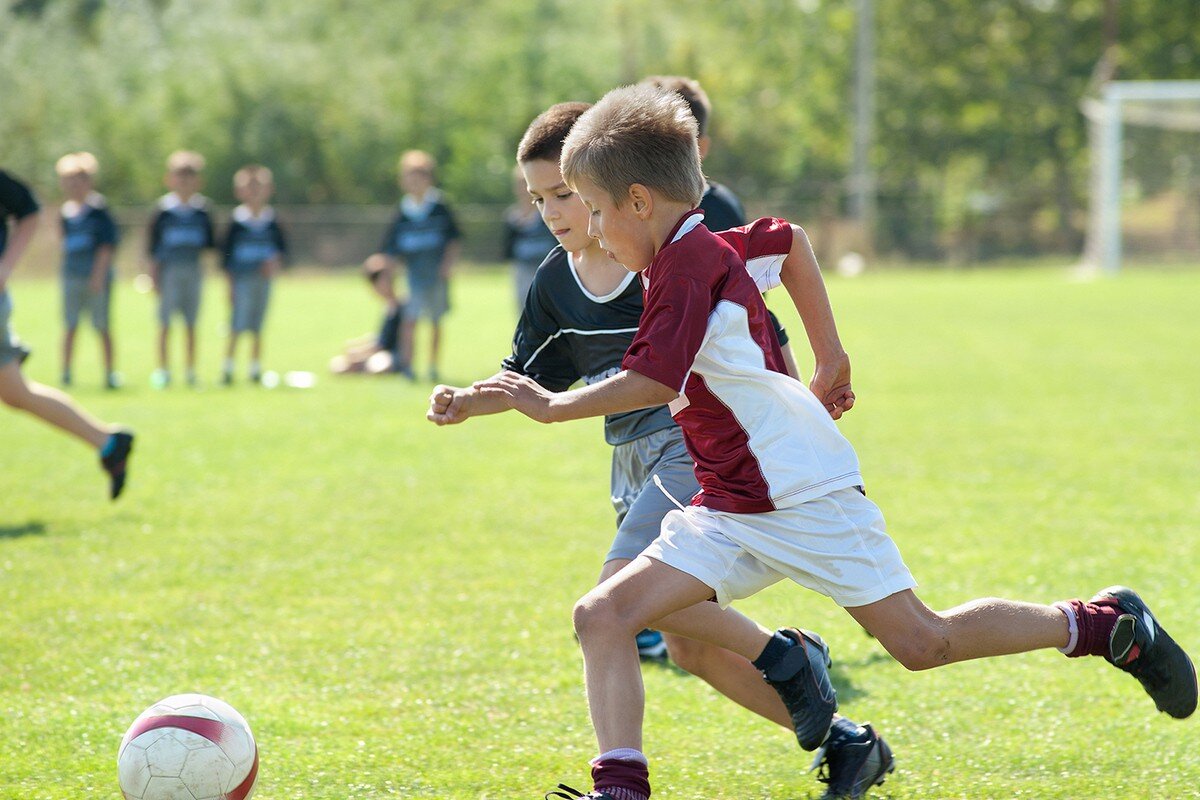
{"points": [[114, 457], [852, 762], [1143, 648], [568, 793], [651, 645], [802, 680]]}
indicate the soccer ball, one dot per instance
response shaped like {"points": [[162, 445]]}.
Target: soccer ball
{"points": [[188, 747]]}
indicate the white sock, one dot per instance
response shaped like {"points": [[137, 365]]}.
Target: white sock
{"points": [[623, 754], [1072, 625]]}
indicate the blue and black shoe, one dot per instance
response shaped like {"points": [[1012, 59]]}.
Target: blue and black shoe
{"points": [[801, 678], [651, 645], [114, 458], [1143, 648]]}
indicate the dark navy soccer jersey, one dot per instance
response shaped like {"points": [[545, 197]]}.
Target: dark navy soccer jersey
{"points": [[180, 231], [252, 240], [722, 210], [567, 334], [86, 228], [16, 201], [420, 228]]}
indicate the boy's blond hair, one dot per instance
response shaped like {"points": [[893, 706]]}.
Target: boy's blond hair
{"points": [[185, 161], [81, 163], [636, 134], [417, 161], [253, 173]]}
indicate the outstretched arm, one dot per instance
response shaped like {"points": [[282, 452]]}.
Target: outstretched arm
{"points": [[450, 405], [801, 276], [625, 391]]}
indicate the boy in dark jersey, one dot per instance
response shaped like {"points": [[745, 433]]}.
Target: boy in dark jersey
{"points": [[580, 317], [781, 489], [114, 444], [253, 255], [180, 231], [89, 239], [425, 236]]}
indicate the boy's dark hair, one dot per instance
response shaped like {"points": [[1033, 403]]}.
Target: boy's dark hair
{"points": [[544, 137], [636, 134], [689, 89]]}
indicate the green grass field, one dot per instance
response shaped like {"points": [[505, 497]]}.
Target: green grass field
{"points": [[388, 603]]}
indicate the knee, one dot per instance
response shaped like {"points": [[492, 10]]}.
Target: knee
{"points": [[690, 655], [922, 647], [13, 394], [594, 617]]}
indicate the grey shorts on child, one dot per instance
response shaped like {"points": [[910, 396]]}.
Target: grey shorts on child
{"points": [[77, 295], [180, 293], [10, 348], [639, 503], [250, 295]]}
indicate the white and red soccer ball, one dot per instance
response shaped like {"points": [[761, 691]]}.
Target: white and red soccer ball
{"points": [[188, 747]]}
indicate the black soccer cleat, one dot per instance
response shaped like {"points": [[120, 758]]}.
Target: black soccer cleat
{"points": [[1143, 648], [850, 766], [802, 679], [568, 793], [116, 461]]}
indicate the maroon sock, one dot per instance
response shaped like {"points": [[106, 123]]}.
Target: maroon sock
{"points": [[624, 779], [1096, 621]]}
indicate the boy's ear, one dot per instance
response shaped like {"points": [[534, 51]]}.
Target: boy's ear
{"points": [[641, 200]]}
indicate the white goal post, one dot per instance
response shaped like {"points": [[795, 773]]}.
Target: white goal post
{"points": [[1171, 105]]}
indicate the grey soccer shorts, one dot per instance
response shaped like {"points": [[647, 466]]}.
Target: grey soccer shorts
{"points": [[639, 503], [250, 295], [180, 292], [10, 349], [77, 296]]}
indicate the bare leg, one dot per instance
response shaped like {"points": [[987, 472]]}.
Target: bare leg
{"points": [[164, 333], [51, 406], [729, 673], [435, 341], [607, 620], [256, 346], [920, 638], [68, 351], [106, 350], [191, 349], [408, 330]]}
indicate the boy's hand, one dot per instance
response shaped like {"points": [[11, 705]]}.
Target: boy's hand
{"points": [[519, 392], [449, 405], [831, 385], [271, 267]]}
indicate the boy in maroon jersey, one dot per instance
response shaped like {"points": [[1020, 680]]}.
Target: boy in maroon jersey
{"points": [[780, 489]]}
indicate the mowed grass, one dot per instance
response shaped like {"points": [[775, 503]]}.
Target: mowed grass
{"points": [[388, 602]]}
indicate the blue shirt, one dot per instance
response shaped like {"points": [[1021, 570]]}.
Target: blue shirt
{"points": [[419, 234], [180, 231], [252, 241], [86, 228]]}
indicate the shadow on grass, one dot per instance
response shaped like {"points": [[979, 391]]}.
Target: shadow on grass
{"points": [[26, 529]]}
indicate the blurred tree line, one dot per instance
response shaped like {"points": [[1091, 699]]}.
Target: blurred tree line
{"points": [[977, 107]]}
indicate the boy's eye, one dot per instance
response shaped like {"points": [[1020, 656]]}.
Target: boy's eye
{"points": [[537, 201], [564, 196]]}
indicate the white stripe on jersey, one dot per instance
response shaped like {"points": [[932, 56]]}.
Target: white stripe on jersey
{"points": [[578, 331]]}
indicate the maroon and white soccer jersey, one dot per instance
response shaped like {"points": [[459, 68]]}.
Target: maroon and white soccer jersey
{"points": [[760, 439]]}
